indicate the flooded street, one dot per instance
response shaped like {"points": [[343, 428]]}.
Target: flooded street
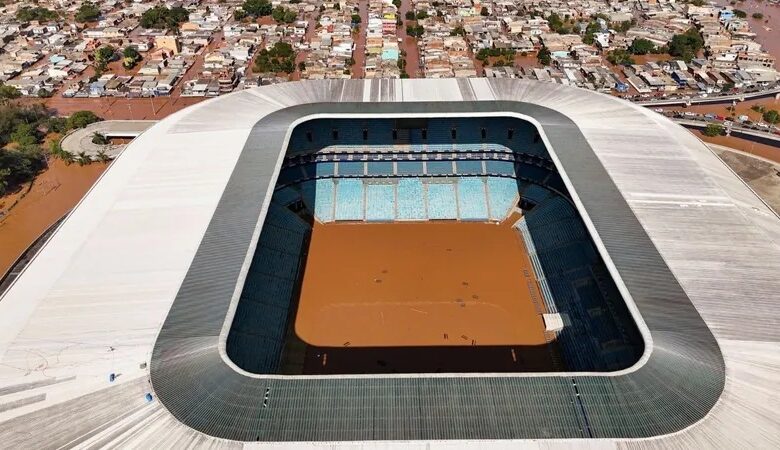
{"points": [[54, 192]]}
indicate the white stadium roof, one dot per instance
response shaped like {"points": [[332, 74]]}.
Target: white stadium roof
{"points": [[96, 297]]}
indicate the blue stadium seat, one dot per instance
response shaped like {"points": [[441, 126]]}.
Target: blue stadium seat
{"points": [[351, 168], [465, 167], [441, 201], [323, 208], [502, 196], [411, 203], [472, 200], [439, 167], [380, 202], [410, 168], [349, 199]]}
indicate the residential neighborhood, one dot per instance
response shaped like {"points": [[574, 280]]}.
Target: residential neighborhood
{"points": [[205, 48]]}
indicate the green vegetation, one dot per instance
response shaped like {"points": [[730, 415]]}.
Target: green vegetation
{"points": [[620, 57], [284, 15], [161, 17], [410, 15], [280, 58], [758, 108], [103, 56], [544, 56], [641, 47], [21, 157], [484, 12], [713, 129], [590, 30], [422, 15], [397, 3], [686, 45], [99, 138], [739, 13], [257, 8], [356, 18], [415, 30], [87, 12], [130, 57], [8, 93], [757, 16], [502, 56], [458, 31], [81, 119], [27, 14], [771, 116]]}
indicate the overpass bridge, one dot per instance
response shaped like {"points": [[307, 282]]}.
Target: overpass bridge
{"points": [[739, 97]]}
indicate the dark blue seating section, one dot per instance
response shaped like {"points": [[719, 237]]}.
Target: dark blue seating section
{"points": [[568, 266]]}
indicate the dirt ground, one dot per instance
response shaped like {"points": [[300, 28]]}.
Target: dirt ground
{"points": [[26, 214], [762, 176], [416, 284]]}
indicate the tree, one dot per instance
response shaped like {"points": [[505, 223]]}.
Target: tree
{"points": [[484, 11], [279, 58], [686, 45], [771, 116], [356, 18], [415, 30], [397, 3], [739, 13], [8, 92], [458, 31], [27, 14], [161, 17], [283, 15], [422, 15], [757, 16], [99, 138], [410, 15], [103, 56], [239, 14], [130, 57], [620, 57], [641, 47], [544, 56], [302, 66], [102, 156], [87, 12], [25, 134], [713, 129], [349, 62], [19, 166], [257, 8], [81, 119]]}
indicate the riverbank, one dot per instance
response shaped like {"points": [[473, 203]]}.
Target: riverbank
{"points": [[27, 213]]}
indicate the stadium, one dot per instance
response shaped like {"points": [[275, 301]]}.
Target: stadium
{"points": [[417, 261]]}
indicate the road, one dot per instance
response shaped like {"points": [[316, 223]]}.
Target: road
{"points": [[408, 43], [714, 99]]}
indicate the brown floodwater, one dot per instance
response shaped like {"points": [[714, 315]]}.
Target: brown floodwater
{"points": [[419, 284], [26, 214]]}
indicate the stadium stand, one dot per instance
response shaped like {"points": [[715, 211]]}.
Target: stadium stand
{"points": [[502, 196], [349, 200], [472, 200], [381, 172], [441, 201], [410, 200], [380, 202]]}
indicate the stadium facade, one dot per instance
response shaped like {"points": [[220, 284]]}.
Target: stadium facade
{"points": [[145, 277]]}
